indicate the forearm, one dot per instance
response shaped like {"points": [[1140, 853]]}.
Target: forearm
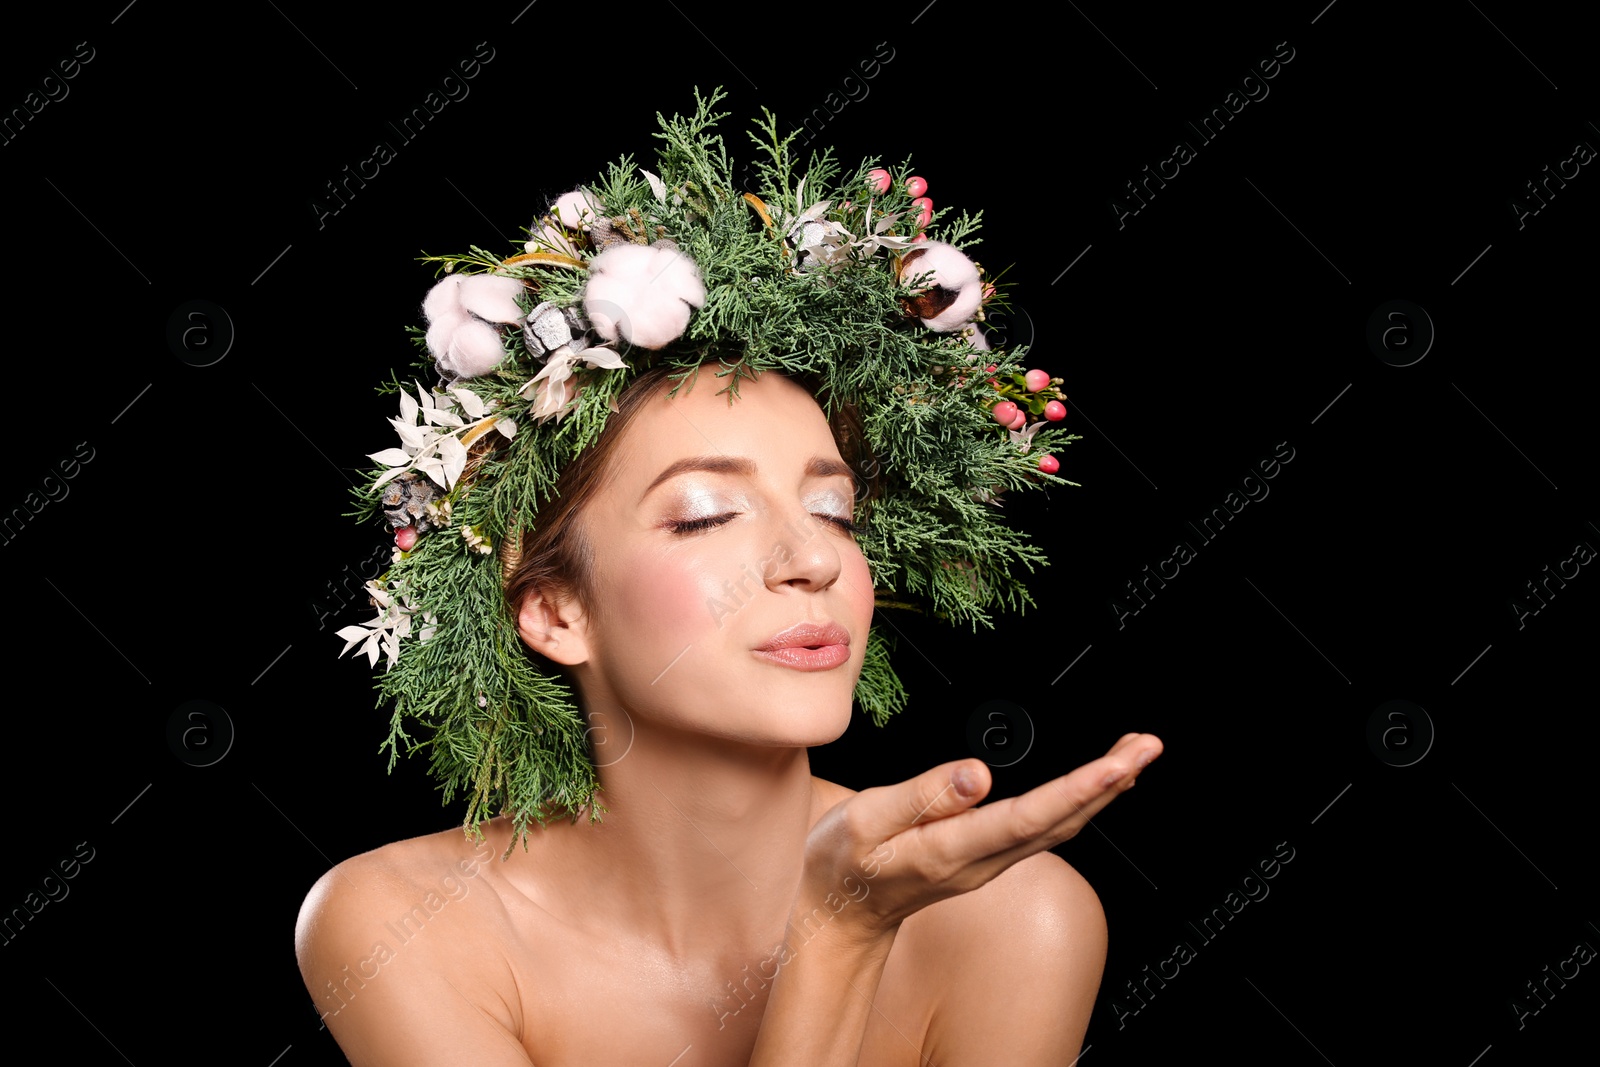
{"points": [[821, 1000]]}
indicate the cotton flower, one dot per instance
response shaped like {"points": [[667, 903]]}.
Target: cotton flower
{"points": [[574, 210], [460, 310], [641, 295], [953, 289]]}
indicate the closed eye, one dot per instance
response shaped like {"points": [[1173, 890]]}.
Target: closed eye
{"points": [[844, 524], [688, 526], [694, 525]]}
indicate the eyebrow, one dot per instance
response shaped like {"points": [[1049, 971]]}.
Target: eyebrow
{"points": [[817, 467]]}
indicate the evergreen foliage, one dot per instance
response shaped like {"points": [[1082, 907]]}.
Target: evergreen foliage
{"points": [[506, 733]]}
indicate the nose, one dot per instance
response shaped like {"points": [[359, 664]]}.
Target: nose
{"points": [[803, 554]]}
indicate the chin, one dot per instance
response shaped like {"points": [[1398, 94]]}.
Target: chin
{"points": [[801, 711]]}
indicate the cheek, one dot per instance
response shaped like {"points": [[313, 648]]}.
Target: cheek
{"points": [[856, 576], [670, 599]]}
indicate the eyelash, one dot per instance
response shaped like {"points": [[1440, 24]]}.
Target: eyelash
{"points": [[696, 525]]}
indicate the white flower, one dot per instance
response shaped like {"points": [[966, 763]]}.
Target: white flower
{"points": [[460, 311], [552, 390], [1024, 436], [642, 295], [574, 210], [950, 289]]}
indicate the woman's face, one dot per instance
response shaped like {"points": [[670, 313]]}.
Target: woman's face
{"points": [[719, 535]]}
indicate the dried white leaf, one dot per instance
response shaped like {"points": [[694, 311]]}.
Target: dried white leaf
{"points": [[391, 457], [814, 211], [506, 428], [469, 401], [387, 477], [657, 186], [602, 357], [454, 454], [442, 417], [434, 469], [351, 635], [412, 436], [408, 407]]}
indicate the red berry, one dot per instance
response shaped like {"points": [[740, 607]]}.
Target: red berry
{"points": [[924, 208], [1049, 464], [916, 186], [919, 237], [1019, 422], [405, 537], [1055, 411], [1005, 413], [879, 179], [991, 368], [1037, 380]]}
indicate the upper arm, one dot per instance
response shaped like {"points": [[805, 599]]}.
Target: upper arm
{"points": [[394, 991], [1024, 960]]}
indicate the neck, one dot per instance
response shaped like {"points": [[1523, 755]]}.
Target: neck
{"points": [[701, 844]]}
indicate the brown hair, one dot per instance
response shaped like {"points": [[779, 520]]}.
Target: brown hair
{"points": [[555, 555]]}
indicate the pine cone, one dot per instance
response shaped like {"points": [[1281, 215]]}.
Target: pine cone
{"points": [[406, 500], [549, 328]]}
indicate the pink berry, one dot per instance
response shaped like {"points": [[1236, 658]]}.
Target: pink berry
{"points": [[919, 237], [879, 179], [1005, 413], [405, 537], [924, 208], [1037, 380], [1049, 464], [1019, 422], [1055, 411], [916, 186]]}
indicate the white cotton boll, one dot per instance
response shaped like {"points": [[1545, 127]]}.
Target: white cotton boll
{"points": [[958, 313], [474, 349], [443, 299], [491, 297], [943, 266], [462, 343], [642, 295], [573, 210], [441, 327]]}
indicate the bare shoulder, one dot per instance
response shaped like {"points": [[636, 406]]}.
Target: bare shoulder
{"points": [[1022, 954], [397, 948], [363, 892]]}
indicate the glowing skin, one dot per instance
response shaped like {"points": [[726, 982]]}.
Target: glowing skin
{"points": [[723, 525], [654, 931]]}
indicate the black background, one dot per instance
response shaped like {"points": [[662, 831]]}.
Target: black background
{"points": [[199, 554]]}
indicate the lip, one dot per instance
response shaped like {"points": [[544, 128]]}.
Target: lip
{"points": [[808, 647], [806, 634]]}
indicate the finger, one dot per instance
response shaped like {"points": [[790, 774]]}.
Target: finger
{"points": [[880, 813], [1049, 814]]}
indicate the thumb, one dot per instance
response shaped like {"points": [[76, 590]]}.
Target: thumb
{"points": [[946, 790]]}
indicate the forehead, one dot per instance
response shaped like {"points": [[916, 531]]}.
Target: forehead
{"points": [[772, 418]]}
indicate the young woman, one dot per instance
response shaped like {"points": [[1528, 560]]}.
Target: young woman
{"points": [[698, 582]]}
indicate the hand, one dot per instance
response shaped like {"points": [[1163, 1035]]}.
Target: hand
{"points": [[886, 853]]}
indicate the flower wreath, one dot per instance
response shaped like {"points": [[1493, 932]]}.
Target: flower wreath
{"points": [[528, 353]]}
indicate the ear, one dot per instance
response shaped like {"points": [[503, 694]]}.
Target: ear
{"points": [[554, 628]]}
